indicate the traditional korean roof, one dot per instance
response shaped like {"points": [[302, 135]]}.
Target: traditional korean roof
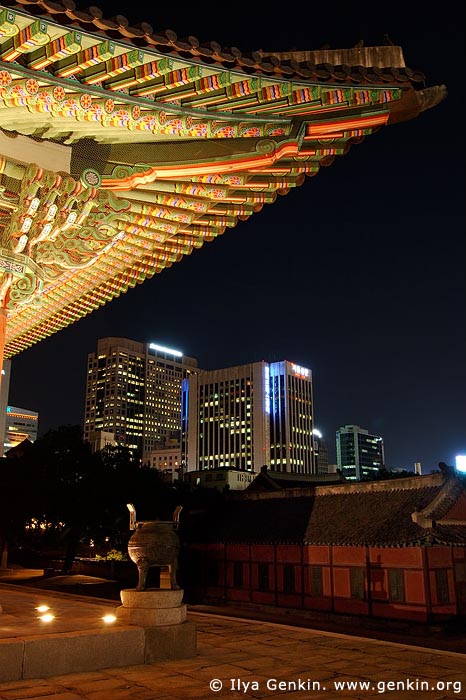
{"points": [[381, 514], [369, 517], [122, 149], [268, 480], [263, 521]]}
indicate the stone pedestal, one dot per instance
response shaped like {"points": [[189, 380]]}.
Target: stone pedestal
{"points": [[168, 634], [152, 607]]}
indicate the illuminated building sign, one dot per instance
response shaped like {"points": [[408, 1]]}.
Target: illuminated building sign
{"points": [[460, 463], [266, 388], [300, 371], [169, 351]]}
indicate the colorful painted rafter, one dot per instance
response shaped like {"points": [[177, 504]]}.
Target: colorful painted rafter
{"points": [[117, 159]]}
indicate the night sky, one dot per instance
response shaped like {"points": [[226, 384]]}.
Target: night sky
{"points": [[359, 274]]}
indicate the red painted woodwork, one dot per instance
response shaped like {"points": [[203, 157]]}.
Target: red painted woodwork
{"points": [[241, 596], [262, 552], [439, 557], [341, 582], [403, 557], [288, 600], [263, 598], [414, 587], [316, 555], [332, 566], [317, 603], [289, 553], [436, 600], [327, 581], [399, 611], [237, 552], [350, 606], [353, 556]]}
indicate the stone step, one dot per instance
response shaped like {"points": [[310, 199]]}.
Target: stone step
{"points": [[77, 639]]}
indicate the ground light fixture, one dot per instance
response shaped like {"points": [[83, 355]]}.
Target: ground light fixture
{"points": [[109, 618], [42, 608], [47, 617]]}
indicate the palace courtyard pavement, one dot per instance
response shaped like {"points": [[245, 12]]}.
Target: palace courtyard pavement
{"points": [[236, 658]]}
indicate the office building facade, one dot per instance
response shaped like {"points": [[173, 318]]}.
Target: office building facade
{"points": [[100, 439], [20, 424], [166, 460], [360, 455], [134, 391], [321, 455], [248, 416]]}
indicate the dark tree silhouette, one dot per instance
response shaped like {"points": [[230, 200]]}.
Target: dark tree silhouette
{"points": [[20, 495], [80, 495]]}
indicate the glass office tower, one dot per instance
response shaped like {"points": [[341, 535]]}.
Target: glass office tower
{"points": [[360, 455], [248, 416]]}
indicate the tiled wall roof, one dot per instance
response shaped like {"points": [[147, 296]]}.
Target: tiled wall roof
{"points": [[334, 516]]}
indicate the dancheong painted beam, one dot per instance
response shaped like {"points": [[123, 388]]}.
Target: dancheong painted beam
{"points": [[122, 149]]}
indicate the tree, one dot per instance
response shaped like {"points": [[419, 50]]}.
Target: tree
{"points": [[20, 495], [79, 495], [72, 476]]}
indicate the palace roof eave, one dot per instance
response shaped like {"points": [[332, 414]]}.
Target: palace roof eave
{"points": [[198, 139]]}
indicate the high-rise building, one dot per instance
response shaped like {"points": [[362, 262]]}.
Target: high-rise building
{"points": [[16, 424], [360, 455], [134, 391], [21, 424], [321, 454], [248, 416]]}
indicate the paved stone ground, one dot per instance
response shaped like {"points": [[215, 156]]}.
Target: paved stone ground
{"points": [[73, 613], [448, 635], [239, 652]]}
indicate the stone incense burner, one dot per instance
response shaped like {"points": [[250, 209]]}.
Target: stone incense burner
{"points": [[154, 543]]}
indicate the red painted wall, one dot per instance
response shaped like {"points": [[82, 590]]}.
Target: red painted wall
{"points": [[396, 557], [438, 606], [316, 555], [439, 557], [341, 582], [262, 552], [350, 606], [237, 552], [414, 587], [400, 611], [352, 556], [317, 603], [335, 565], [289, 553], [288, 600]]}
